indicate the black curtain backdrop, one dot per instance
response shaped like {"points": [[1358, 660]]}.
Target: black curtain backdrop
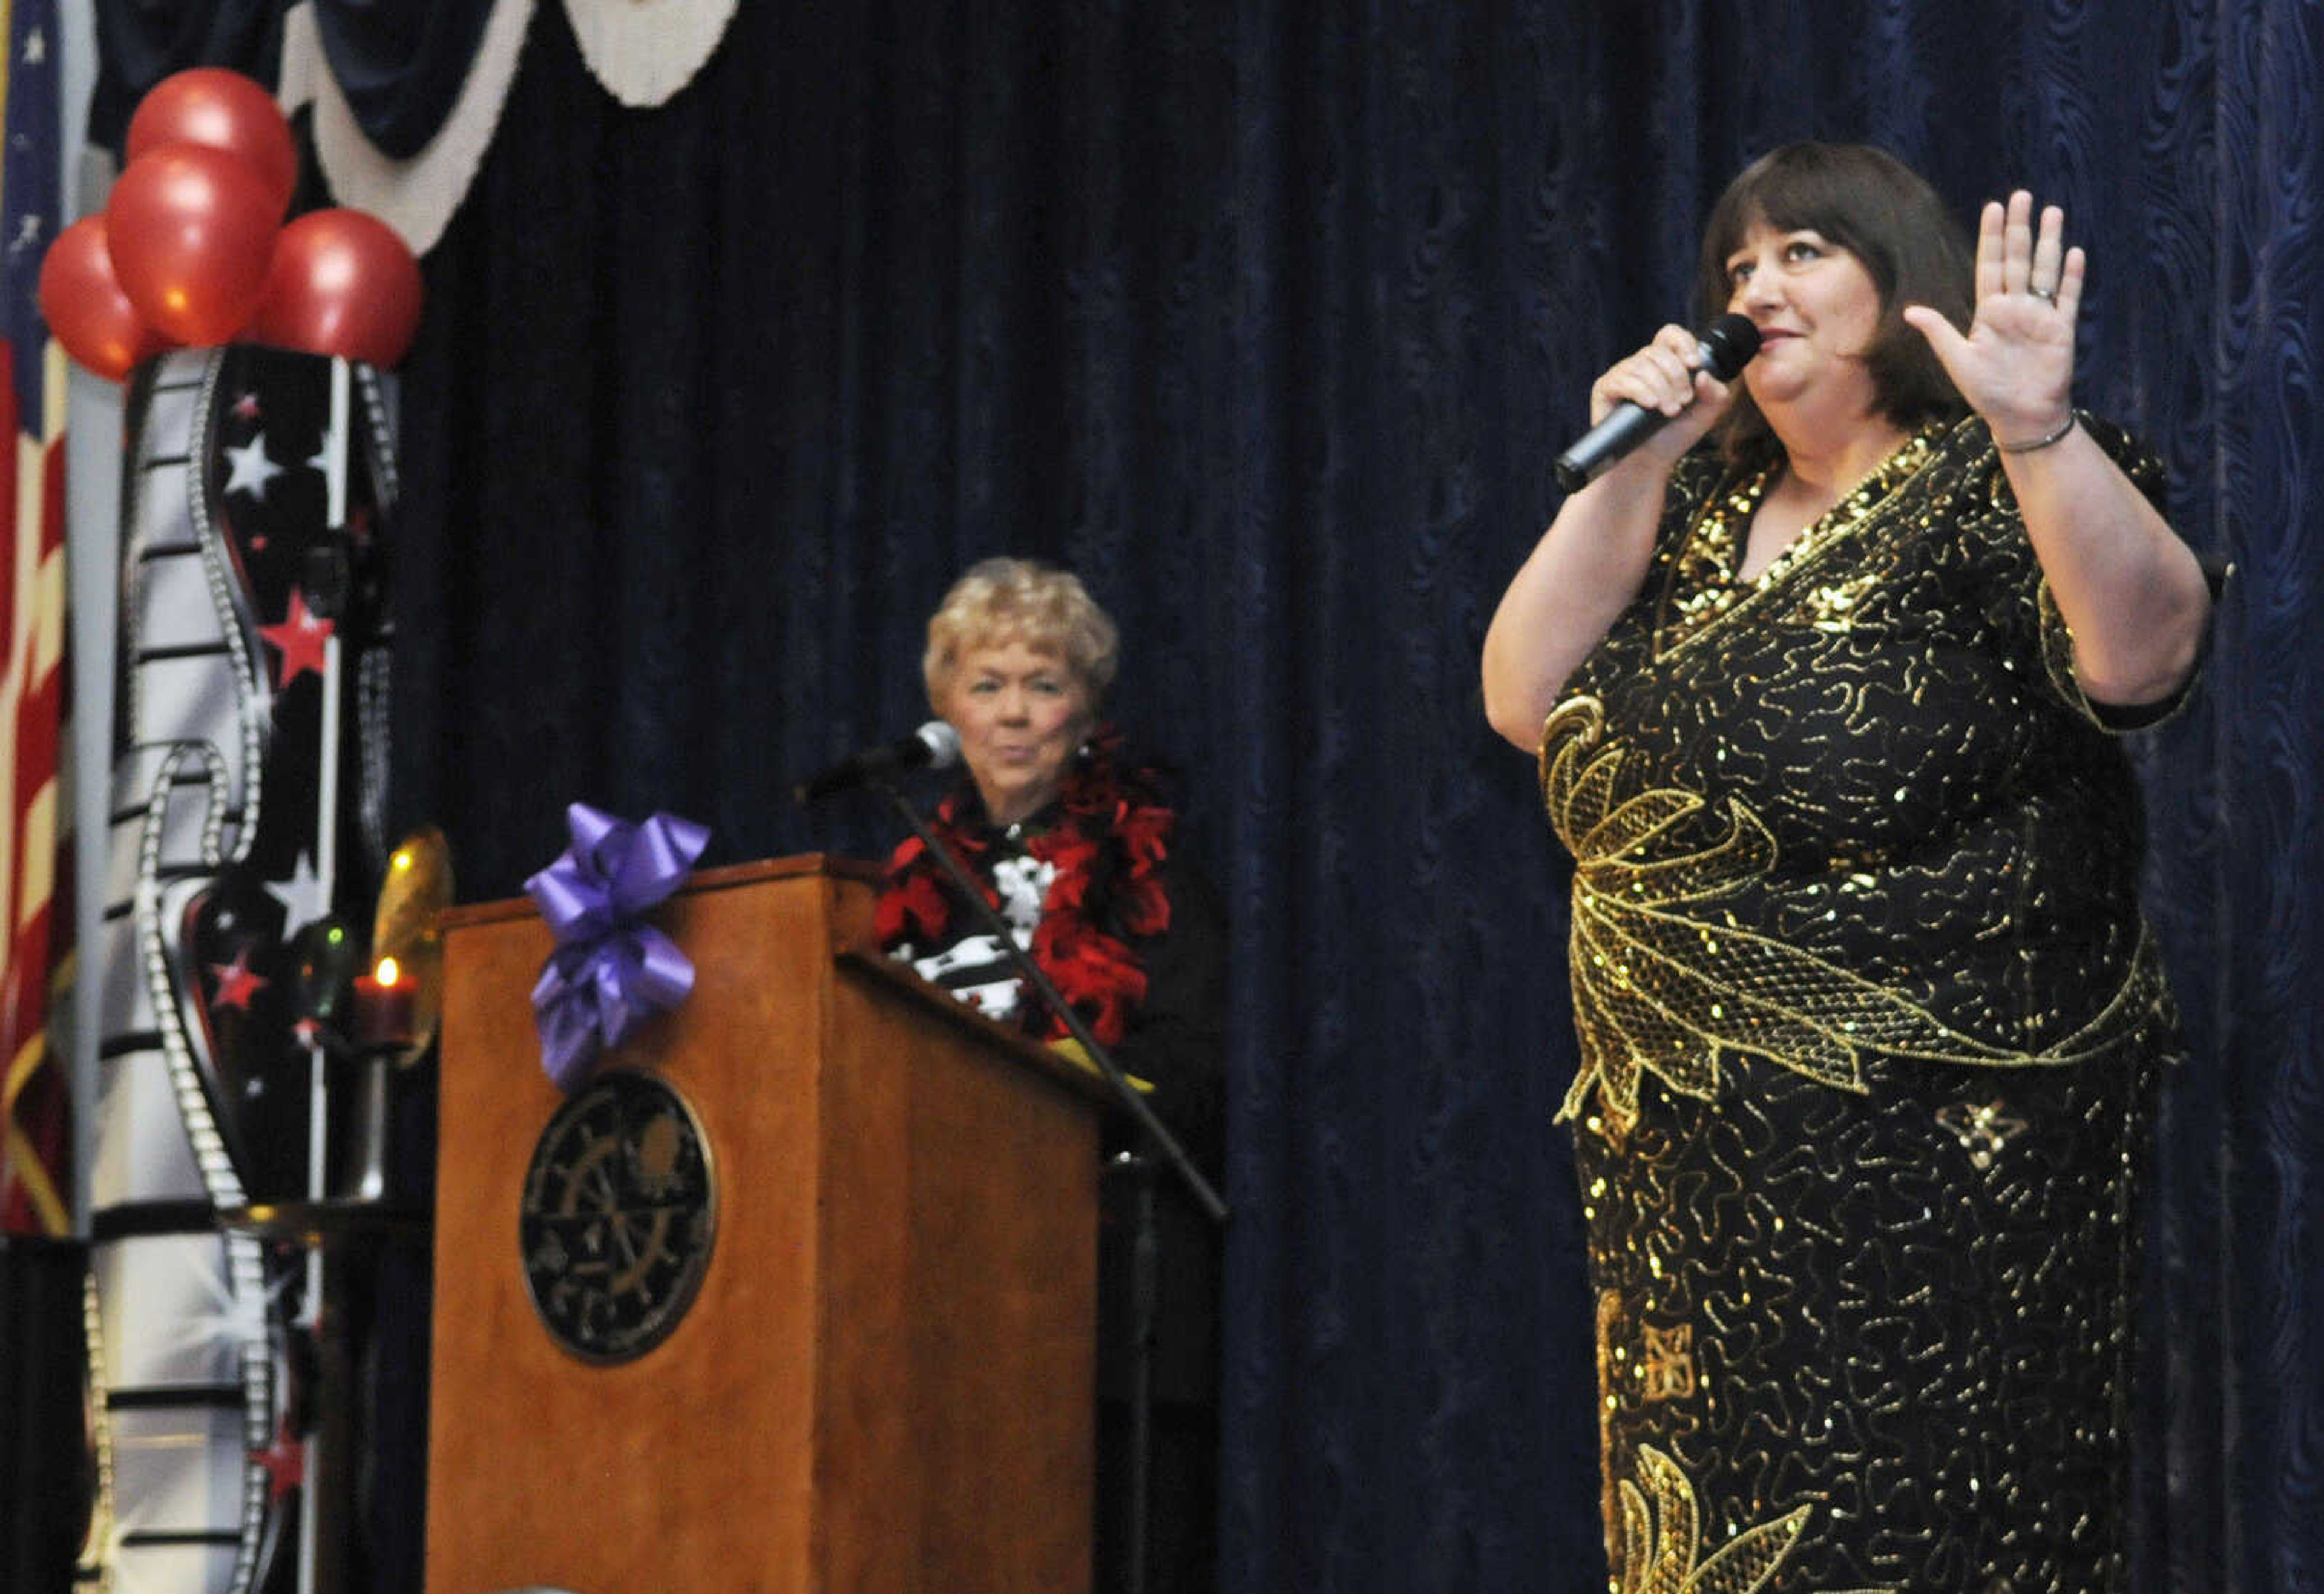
{"points": [[1269, 318]]}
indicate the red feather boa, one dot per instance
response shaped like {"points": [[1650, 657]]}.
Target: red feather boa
{"points": [[1108, 842]]}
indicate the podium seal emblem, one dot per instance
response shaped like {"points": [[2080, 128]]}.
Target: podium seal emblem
{"points": [[619, 1215]]}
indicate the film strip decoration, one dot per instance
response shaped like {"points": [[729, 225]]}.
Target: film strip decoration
{"points": [[251, 610]]}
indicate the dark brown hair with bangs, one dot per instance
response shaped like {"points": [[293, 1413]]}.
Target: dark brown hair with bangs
{"points": [[1880, 210]]}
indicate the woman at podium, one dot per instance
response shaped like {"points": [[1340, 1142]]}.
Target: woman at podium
{"points": [[1076, 844]]}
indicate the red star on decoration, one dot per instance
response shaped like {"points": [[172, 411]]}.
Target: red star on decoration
{"points": [[246, 408], [236, 983], [285, 1461], [233, 529], [300, 639]]}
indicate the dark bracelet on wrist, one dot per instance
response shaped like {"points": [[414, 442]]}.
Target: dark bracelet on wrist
{"points": [[2065, 426]]}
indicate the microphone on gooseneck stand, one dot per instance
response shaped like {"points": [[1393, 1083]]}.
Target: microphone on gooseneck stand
{"points": [[1721, 348], [934, 745]]}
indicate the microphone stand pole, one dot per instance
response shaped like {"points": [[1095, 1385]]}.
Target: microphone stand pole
{"points": [[1172, 1153], [1145, 1297]]}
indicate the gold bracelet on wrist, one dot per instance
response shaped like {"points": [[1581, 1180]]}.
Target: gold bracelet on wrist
{"points": [[2064, 427]]}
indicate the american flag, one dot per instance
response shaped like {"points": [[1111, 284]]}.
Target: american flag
{"points": [[35, 813]]}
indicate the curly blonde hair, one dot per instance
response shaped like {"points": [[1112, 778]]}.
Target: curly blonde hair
{"points": [[998, 601]]}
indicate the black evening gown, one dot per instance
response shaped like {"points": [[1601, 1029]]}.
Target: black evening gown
{"points": [[1870, 1025]]}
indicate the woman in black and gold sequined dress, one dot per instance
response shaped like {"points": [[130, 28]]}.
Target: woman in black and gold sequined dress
{"points": [[1869, 1019]]}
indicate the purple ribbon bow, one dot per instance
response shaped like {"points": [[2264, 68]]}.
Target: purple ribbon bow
{"points": [[610, 972]]}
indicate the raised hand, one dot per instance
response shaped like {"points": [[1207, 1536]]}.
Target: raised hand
{"points": [[2016, 364]]}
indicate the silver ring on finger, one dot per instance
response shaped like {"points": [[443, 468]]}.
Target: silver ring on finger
{"points": [[2046, 295]]}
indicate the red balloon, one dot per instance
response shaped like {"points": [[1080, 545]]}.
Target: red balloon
{"points": [[191, 231], [220, 110], [344, 282], [83, 303]]}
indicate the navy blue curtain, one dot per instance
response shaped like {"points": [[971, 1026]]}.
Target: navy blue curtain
{"points": [[1269, 317]]}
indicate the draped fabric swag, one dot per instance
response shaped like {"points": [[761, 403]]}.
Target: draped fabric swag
{"points": [[1269, 318]]}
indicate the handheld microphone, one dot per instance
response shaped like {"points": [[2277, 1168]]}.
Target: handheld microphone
{"points": [[934, 745], [1721, 348]]}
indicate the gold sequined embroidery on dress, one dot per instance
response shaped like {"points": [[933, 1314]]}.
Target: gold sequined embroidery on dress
{"points": [[1983, 1128], [1706, 587], [1665, 984], [1661, 1539]]}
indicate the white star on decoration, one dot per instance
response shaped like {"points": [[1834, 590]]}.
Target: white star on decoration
{"points": [[302, 896], [36, 48], [251, 469]]}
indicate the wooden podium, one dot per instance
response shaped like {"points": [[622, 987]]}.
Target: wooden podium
{"points": [[884, 1380]]}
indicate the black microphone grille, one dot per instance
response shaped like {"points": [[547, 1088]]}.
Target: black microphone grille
{"points": [[1728, 345]]}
